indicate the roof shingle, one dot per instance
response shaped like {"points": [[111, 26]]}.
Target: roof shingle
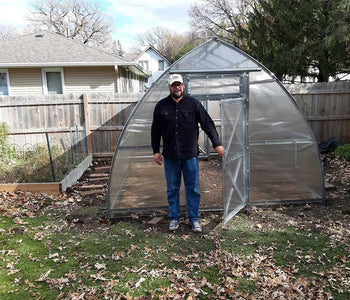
{"points": [[47, 48]]}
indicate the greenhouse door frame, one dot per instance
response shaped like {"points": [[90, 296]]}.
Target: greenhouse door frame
{"points": [[236, 162], [237, 179]]}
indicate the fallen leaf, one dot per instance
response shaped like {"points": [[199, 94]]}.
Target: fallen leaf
{"points": [[99, 266], [44, 276], [137, 284]]}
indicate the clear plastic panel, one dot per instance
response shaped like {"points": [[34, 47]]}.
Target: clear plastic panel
{"points": [[234, 188], [284, 159], [214, 55], [213, 86], [281, 173], [136, 182]]}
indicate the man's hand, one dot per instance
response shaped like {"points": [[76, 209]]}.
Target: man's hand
{"points": [[157, 158], [220, 150]]}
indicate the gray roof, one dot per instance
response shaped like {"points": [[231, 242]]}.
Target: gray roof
{"points": [[53, 50], [135, 56], [131, 56]]}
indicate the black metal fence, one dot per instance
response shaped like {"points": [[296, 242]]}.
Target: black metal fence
{"points": [[43, 162]]}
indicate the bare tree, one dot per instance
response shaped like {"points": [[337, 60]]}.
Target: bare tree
{"points": [[8, 31], [80, 20], [157, 37], [220, 18], [171, 45]]}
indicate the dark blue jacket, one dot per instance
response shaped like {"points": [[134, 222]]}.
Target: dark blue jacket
{"points": [[177, 124]]}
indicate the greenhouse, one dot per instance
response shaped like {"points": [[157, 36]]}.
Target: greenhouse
{"points": [[271, 154]]}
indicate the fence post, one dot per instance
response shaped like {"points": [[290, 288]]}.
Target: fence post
{"points": [[89, 136]]}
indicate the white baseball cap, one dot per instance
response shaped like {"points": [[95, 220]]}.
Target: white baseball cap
{"points": [[175, 78]]}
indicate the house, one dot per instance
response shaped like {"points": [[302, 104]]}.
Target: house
{"points": [[151, 61], [47, 63]]}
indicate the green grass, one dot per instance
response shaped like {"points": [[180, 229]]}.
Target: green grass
{"points": [[124, 258]]}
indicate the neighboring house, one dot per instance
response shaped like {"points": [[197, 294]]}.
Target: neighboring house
{"points": [[48, 63], [151, 61]]}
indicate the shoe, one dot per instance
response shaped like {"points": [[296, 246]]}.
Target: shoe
{"points": [[174, 224], [196, 226]]}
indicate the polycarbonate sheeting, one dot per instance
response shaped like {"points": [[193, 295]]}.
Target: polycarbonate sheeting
{"points": [[287, 176], [136, 182], [213, 85], [234, 187], [214, 55], [282, 160]]}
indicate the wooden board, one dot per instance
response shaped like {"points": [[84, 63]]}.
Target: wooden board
{"points": [[48, 188]]}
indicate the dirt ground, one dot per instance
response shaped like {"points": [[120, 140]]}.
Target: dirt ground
{"points": [[91, 210]]}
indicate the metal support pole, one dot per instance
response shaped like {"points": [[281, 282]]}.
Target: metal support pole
{"points": [[187, 85], [71, 145], [77, 143], [51, 163], [85, 141], [206, 138], [244, 91]]}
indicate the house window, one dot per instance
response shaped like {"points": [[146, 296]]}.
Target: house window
{"points": [[160, 65], [130, 81], [4, 82], [53, 81], [144, 65], [123, 80]]}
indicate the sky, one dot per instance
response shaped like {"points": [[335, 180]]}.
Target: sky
{"points": [[131, 17]]}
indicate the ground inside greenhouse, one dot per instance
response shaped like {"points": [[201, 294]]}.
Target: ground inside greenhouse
{"points": [[145, 188]]}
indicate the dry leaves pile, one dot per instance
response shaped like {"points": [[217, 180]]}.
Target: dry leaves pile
{"points": [[18, 205]]}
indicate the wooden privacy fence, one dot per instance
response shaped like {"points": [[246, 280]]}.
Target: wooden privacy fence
{"points": [[102, 116], [326, 106]]}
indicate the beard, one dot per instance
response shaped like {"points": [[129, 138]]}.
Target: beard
{"points": [[177, 94]]}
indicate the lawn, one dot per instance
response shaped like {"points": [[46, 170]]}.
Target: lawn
{"points": [[56, 248]]}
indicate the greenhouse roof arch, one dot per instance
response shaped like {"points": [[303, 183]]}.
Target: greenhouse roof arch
{"points": [[271, 153]]}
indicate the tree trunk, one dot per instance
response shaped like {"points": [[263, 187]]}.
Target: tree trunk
{"points": [[323, 68]]}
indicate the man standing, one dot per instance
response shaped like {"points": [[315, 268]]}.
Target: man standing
{"points": [[175, 120]]}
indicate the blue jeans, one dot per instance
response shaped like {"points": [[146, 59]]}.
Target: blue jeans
{"points": [[189, 169]]}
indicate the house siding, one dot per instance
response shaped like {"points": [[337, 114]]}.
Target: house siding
{"points": [[26, 81], [77, 80], [153, 57], [90, 80]]}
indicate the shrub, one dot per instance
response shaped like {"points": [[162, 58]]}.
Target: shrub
{"points": [[343, 151], [4, 147]]}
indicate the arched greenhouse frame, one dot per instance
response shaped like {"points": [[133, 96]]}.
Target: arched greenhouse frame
{"points": [[271, 153]]}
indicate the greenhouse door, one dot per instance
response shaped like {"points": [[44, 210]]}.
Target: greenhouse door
{"points": [[235, 164]]}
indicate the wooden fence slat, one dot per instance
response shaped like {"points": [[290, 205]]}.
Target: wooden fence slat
{"points": [[326, 106]]}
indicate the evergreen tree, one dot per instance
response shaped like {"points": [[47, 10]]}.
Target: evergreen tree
{"points": [[307, 38], [293, 38]]}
